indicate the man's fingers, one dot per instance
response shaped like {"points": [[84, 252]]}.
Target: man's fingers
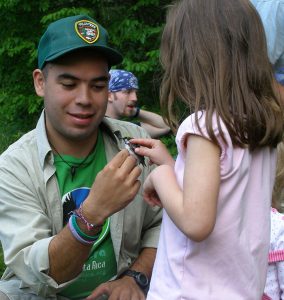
{"points": [[132, 175], [129, 163], [119, 159], [135, 172], [100, 292]]}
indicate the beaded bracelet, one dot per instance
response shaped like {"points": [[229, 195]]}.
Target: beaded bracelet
{"points": [[76, 235], [79, 214], [81, 233]]}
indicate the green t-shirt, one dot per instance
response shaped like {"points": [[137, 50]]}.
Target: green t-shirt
{"points": [[101, 264]]}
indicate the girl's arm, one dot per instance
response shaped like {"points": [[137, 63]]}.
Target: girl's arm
{"points": [[155, 150], [193, 210]]}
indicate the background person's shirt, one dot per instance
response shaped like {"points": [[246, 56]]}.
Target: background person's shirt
{"points": [[272, 15]]}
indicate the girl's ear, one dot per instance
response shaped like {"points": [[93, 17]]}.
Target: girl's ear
{"points": [[39, 82]]}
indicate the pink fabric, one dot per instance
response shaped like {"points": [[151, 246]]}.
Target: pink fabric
{"points": [[275, 256], [231, 263], [265, 297], [274, 287]]}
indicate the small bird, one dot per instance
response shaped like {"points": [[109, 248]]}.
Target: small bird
{"points": [[131, 148]]}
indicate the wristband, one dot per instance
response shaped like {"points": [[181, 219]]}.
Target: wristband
{"points": [[76, 235], [137, 112], [81, 233], [79, 214]]}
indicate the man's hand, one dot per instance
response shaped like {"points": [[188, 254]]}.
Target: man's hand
{"points": [[120, 289], [114, 188]]}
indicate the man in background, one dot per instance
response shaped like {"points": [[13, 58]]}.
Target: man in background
{"points": [[122, 102]]}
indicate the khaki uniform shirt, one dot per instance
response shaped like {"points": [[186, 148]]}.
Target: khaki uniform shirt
{"points": [[32, 214]]}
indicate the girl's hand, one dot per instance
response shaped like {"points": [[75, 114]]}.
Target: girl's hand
{"points": [[155, 150], [149, 193]]}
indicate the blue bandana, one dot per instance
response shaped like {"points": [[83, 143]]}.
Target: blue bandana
{"points": [[121, 80]]}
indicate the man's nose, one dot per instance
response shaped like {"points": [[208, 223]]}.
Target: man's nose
{"points": [[83, 96], [133, 96]]}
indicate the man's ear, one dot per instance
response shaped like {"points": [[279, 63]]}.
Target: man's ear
{"points": [[39, 82], [110, 97]]}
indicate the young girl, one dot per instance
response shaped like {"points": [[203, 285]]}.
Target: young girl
{"points": [[215, 234], [274, 288]]}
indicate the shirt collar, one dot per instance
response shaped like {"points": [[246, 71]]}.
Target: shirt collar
{"points": [[44, 147]]}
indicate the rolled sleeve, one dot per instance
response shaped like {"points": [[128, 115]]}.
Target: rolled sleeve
{"points": [[25, 228]]}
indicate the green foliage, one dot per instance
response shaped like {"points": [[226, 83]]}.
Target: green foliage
{"points": [[11, 131], [134, 28], [169, 141]]}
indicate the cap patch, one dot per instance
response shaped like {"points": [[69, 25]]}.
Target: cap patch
{"points": [[87, 30]]}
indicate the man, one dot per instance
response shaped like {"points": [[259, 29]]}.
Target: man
{"points": [[272, 15], [72, 212], [122, 102]]}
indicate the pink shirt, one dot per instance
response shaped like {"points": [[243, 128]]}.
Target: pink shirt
{"points": [[274, 288], [231, 263]]}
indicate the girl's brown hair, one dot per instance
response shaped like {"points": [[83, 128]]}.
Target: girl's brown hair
{"points": [[215, 59], [278, 190]]}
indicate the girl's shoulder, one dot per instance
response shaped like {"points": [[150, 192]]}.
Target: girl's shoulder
{"points": [[196, 124]]}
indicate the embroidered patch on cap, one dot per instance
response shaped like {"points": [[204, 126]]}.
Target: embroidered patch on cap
{"points": [[87, 30]]}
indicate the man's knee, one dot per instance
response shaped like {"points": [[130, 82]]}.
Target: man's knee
{"points": [[10, 290], [3, 296]]}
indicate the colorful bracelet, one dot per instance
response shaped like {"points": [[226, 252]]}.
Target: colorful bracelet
{"points": [[81, 233], [79, 214], [76, 234]]}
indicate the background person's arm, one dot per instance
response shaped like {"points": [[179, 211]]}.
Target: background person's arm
{"points": [[153, 123]]}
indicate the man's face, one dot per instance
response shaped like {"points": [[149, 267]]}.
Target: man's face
{"points": [[124, 102], [75, 97]]}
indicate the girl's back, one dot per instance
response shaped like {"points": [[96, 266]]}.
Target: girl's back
{"points": [[215, 61], [231, 263]]}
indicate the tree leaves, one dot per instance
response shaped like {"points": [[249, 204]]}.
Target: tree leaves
{"points": [[134, 28]]}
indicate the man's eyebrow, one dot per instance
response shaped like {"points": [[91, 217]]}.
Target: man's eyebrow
{"points": [[72, 77], [100, 78]]}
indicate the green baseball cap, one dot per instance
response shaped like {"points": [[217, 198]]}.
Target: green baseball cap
{"points": [[71, 33]]}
